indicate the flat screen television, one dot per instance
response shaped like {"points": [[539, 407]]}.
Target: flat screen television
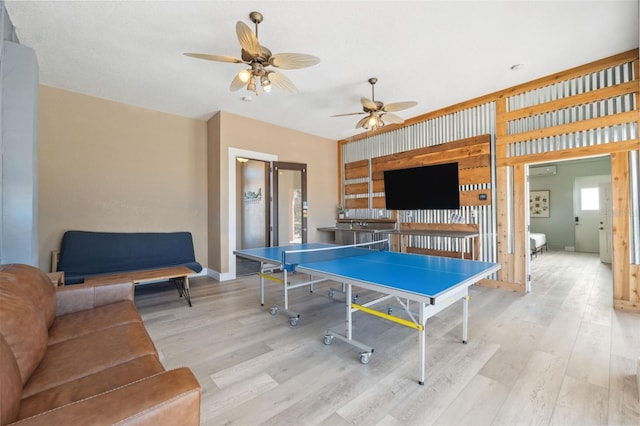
{"points": [[425, 187]]}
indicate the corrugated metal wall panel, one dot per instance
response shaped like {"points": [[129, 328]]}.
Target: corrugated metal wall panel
{"points": [[463, 124]]}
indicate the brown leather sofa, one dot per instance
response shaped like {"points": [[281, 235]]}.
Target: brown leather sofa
{"points": [[80, 355]]}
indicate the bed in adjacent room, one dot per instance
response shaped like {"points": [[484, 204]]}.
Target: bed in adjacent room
{"points": [[538, 243]]}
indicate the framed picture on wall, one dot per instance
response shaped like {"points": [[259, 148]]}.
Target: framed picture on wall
{"points": [[539, 203]]}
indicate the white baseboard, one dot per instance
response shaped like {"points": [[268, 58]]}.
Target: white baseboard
{"points": [[218, 276], [569, 248], [638, 378]]}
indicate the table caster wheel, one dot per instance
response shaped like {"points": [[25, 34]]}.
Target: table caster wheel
{"points": [[364, 358], [330, 294], [274, 310], [328, 339], [293, 321], [389, 310], [354, 299]]}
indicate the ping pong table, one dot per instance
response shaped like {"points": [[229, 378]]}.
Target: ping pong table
{"points": [[430, 282]]}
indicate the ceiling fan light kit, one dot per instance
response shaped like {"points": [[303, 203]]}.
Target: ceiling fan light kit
{"points": [[259, 58], [376, 110]]}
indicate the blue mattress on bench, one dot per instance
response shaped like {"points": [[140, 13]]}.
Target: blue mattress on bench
{"points": [[84, 253]]}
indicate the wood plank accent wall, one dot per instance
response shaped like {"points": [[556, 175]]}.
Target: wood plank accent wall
{"points": [[473, 156], [511, 168]]}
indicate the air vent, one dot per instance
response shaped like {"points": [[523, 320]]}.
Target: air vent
{"points": [[543, 171]]}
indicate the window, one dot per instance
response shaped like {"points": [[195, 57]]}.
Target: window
{"points": [[589, 199]]}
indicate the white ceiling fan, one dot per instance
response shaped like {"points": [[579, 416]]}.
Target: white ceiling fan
{"points": [[260, 60], [377, 112]]}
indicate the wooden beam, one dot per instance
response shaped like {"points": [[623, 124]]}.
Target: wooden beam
{"points": [[620, 225], [503, 285], [572, 101], [356, 188], [520, 254], [356, 203], [356, 170], [567, 154], [563, 129]]}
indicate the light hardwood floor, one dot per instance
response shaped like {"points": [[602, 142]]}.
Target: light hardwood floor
{"points": [[559, 355]]}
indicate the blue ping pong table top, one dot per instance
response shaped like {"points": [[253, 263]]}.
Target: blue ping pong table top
{"points": [[414, 273]]}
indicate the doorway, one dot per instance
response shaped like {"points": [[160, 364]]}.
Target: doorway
{"points": [[579, 192], [294, 190], [289, 203], [592, 208], [253, 210]]}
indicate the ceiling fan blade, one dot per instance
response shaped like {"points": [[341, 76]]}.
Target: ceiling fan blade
{"points": [[248, 40], [282, 82], [399, 106], [218, 58], [292, 61], [368, 103], [237, 83], [392, 118], [363, 122], [351, 113]]}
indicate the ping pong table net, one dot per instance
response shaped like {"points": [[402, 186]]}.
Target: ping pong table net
{"points": [[291, 258]]}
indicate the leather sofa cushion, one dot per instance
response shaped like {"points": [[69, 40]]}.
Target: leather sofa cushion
{"points": [[94, 384], [72, 359], [168, 398], [34, 285], [90, 295], [24, 330], [77, 324], [10, 384]]}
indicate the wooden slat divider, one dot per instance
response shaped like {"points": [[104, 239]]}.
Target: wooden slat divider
{"points": [[378, 203], [572, 101], [356, 170], [576, 126], [472, 198], [567, 154], [377, 186], [356, 188], [357, 203], [474, 176], [462, 148]]}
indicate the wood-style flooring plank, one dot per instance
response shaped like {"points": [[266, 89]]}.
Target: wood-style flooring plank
{"points": [[558, 355]]}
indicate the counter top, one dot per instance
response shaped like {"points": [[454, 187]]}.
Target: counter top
{"points": [[428, 233]]}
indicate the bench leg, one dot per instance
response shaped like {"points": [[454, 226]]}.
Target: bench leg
{"points": [[182, 285]]}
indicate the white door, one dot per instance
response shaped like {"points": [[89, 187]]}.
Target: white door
{"points": [[605, 228], [587, 213]]}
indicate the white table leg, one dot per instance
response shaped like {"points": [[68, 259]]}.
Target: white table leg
{"points": [[465, 317], [422, 343]]}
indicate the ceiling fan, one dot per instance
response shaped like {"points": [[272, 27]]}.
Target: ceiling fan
{"points": [[259, 59], [378, 113]]}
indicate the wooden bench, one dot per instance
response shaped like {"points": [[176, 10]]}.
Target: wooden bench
{"points": [[178, 275]]}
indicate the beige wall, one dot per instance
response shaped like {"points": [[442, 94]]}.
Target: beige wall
{"points": [[320, 155], [107, 166], [213, 164]]}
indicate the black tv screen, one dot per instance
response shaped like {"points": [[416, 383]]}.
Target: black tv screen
{"points": [[425, 187]]}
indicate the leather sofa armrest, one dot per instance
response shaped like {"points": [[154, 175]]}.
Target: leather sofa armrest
{"points": [[167, 398], [79, 297]]}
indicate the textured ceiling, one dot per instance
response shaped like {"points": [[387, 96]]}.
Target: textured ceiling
{"points": [[435, 53]]}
